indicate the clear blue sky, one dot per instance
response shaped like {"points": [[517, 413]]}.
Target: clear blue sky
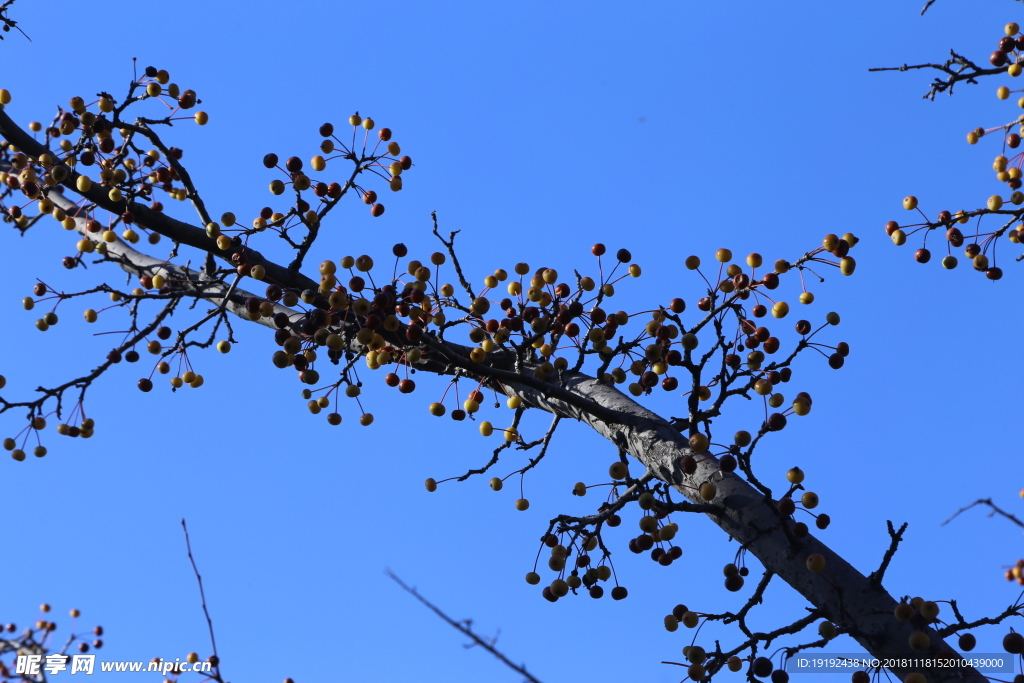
{"points": [[537, 129]]}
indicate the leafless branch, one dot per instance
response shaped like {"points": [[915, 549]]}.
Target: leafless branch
{"points": [[996, 510], [464, 628], [895, 538], [957, 68], [202, 596], [9, 23]]}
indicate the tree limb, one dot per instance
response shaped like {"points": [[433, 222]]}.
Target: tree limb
{"points": [[465, 629]]}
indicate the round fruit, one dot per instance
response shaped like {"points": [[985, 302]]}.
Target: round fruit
{"points": [[699, 443], [919, 641], [904, 612], [929, 610], [762, 667], [618, 471]]}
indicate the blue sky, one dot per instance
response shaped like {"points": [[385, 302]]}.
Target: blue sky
{"points": [[669, 129]]}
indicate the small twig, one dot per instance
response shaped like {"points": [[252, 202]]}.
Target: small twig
{"points": [[896, 537], [450, 246], [543, 443], [995, 510], [463, 628], [202, 596], [9, 23], [961, 624], [957, 67]]}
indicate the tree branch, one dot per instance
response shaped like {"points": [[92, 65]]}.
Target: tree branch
{"points": [[995, 511], [465, 629]]}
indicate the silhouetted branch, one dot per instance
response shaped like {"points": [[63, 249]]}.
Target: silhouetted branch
{"points": [[464, 628], [215, 660], [995, 511], [896, 537], [7, 22], [957, 67]]}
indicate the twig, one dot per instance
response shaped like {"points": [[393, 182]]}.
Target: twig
{"points": [[202, 597], [9, 23], [995, 510], [543, 443], [957, 67], [896, 537], [450, 246], [961, 624], [463, 628]]}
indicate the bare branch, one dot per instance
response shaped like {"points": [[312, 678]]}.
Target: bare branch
{"points": [[464, 628], [995, 511], [895, 538], [957, 68], [202, 596]]}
